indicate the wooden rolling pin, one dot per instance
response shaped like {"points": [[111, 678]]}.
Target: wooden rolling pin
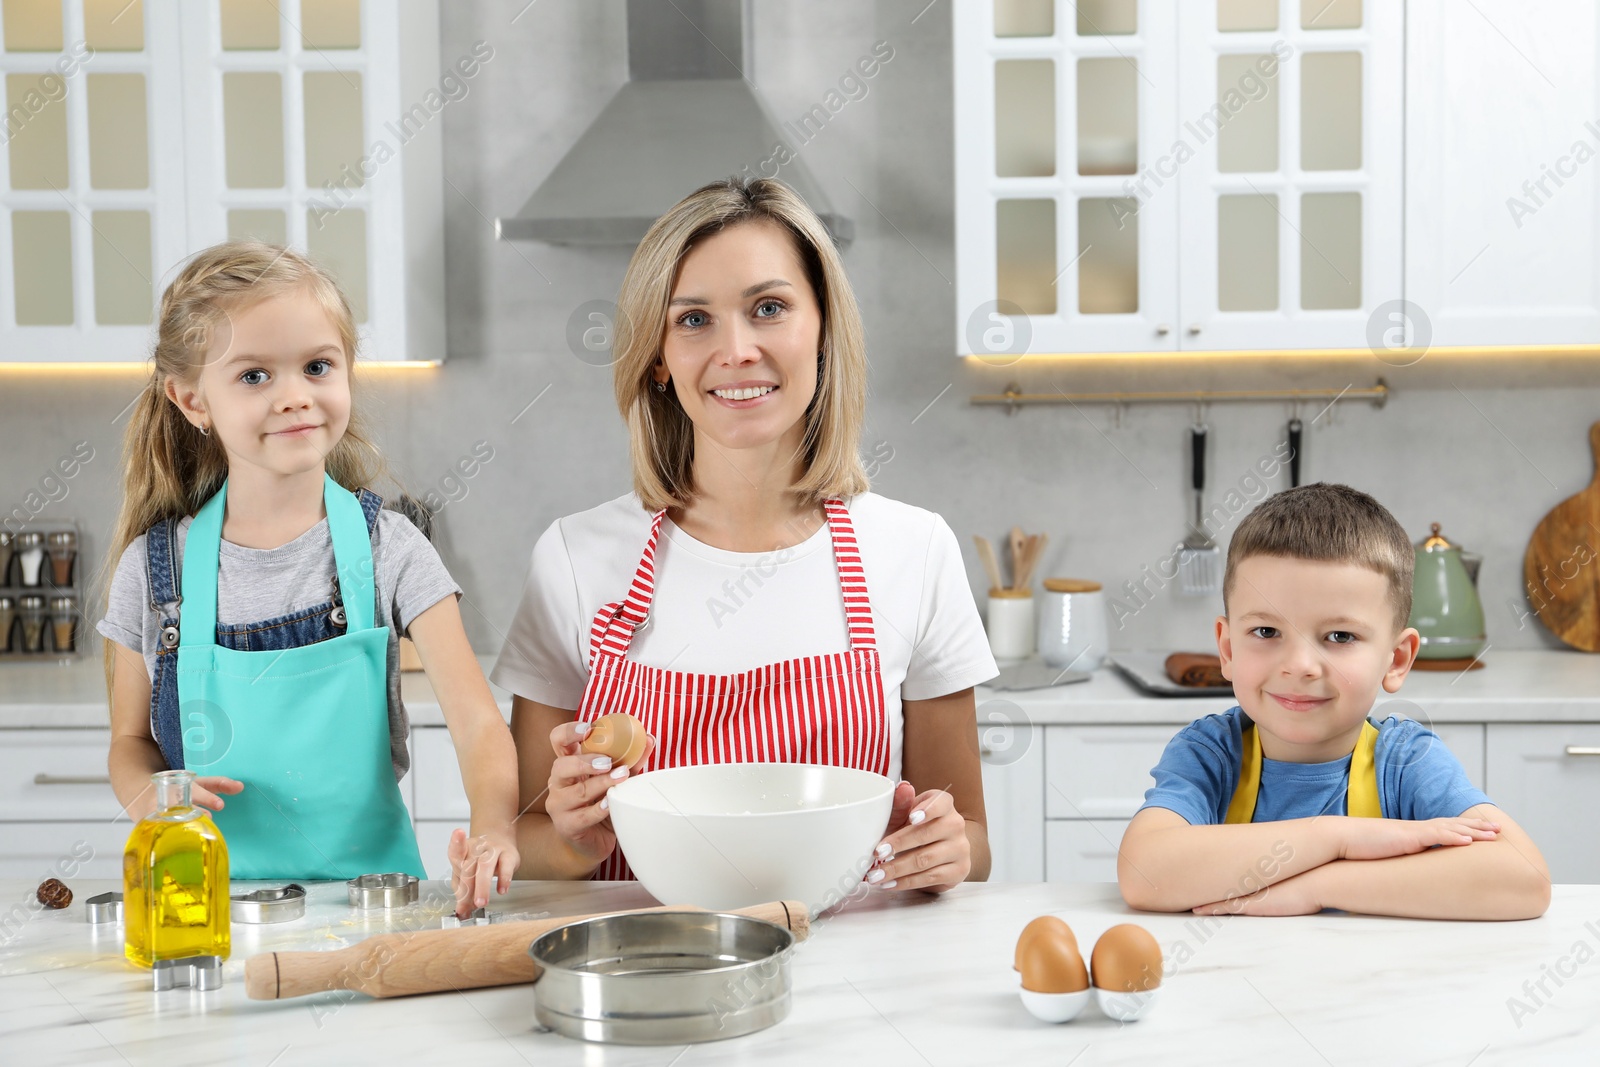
{"points": [[435, 961]]}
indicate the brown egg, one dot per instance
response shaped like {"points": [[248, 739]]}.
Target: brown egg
{"points": [[1126, 959], [620, 736], [1050, 963], [1037, 927]]}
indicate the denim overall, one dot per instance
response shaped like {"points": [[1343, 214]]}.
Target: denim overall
{"points": [[295, 707]]}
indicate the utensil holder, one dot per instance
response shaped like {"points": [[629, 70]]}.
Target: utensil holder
{"points": [[1010, 623]]}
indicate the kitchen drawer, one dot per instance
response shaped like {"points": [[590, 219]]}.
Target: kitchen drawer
{"points": [[1082, 850], [1100, 772], [439, 793], [64, 850], [1538, 779], [56, 774]]}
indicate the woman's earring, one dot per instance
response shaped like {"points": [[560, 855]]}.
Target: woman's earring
{"points": [[205, 431], [661, 387]]}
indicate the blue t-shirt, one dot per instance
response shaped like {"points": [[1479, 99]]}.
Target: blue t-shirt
{"points": [[1418, 777]]}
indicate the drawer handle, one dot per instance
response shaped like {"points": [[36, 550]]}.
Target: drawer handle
{"points": [[72, 779], [1583, 750]]}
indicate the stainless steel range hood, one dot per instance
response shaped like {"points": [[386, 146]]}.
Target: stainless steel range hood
{"points": [[686, 117]]}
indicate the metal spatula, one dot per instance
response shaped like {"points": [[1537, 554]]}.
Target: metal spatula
{"points": [[1199, 561]]}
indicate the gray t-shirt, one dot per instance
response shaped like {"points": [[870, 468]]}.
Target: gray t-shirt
{"points": [[263, 583]]}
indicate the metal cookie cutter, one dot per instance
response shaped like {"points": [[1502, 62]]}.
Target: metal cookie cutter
{"points": [[383, 890], [103, 908], [481, 917], [196, 972], [277, 905]]}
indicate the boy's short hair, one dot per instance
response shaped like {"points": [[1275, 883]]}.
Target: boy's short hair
{"points": [[1328, 523]]}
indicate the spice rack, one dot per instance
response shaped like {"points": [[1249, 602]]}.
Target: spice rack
{"points": [[41, 601]]}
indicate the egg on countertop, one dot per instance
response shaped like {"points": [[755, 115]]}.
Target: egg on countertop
{"points": [[1126, 959], [1051, 963], [1035, 928]]}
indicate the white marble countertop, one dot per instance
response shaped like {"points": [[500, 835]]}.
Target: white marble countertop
{"points": [[890, 979], [1514, 686]]}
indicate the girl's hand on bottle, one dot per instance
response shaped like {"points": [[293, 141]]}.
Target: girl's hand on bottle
{"points": [[203, 793], [480, 862], [925, 845], [576, 794]]}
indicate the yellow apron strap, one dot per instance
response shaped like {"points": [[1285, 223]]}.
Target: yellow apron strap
{"points": [[1242, 808], [1360, 802]]}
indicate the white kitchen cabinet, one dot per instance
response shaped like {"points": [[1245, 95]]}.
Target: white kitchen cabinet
{"points": [[1144, 175], [1502, 213], [65, 850], [1013, 798], [1547, 777], [433, 841], [137, 136], [436, 776], [56, 775], [1100, 772], [1291, 204], [1054, 253], [1083, 850]]}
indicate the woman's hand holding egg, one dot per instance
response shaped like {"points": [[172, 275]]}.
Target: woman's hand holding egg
{"points": [[579, 781], [925, 845]]}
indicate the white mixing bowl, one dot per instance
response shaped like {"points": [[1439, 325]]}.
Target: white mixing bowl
{"points": [[729, 835]]}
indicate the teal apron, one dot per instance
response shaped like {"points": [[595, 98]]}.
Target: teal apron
{"points": [[305, 729]]}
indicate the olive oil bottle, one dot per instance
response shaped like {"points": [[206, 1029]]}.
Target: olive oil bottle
{"points": [[175, 879]]}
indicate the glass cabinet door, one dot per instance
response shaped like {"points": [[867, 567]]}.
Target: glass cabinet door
{"points": [[1291, 207], [1067, 210]]}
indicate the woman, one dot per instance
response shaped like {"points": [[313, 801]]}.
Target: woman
{"points": [[750, 554]]}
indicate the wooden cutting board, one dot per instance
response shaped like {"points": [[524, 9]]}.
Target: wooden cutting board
{"points": [[1562, 567]]}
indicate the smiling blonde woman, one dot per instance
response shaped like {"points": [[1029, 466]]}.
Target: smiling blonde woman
{"points": [[750, 599]]}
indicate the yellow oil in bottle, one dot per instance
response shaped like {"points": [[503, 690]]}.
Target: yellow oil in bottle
{"points": [[175, 879]]}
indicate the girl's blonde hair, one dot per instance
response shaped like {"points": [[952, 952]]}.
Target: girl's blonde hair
{"points": [[169, 468], [661, 434]]}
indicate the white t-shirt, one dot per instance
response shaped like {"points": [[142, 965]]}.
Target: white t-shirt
{"points": [[721, 612]]}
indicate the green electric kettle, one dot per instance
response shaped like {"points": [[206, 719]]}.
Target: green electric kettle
{"points": [[1445, 607]]}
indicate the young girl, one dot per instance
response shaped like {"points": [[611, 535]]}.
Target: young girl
{"points": [[253, 619]]}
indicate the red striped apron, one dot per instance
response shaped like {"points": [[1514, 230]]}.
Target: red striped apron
{"points": [[816, 709]]}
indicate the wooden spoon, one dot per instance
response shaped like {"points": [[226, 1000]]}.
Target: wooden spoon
{"points": [[990, 565]]}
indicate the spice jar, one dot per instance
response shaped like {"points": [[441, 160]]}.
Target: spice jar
{"points": [[33, 624], [63, 550], [6, 548], [63, 622], [8, 617], [30, 557]]}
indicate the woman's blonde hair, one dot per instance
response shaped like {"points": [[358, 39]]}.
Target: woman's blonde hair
{"points": [[660, 432], [169, 468]]}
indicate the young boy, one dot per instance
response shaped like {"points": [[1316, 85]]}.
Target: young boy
{"points": [[1259, 810]]}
